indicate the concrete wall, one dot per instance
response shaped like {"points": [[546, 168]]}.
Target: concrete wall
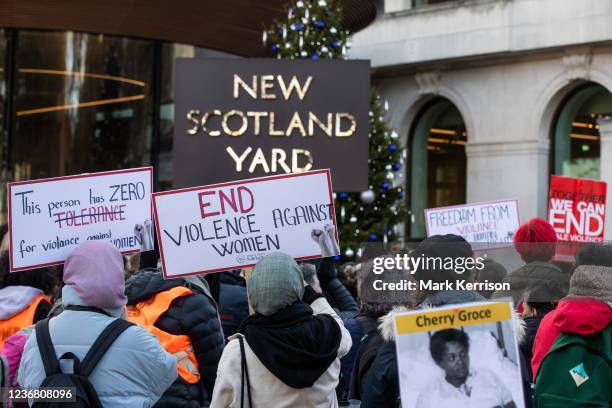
{"points": [[480, 27], [507, 65]]}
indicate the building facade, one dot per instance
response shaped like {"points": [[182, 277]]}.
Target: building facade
{"points": [[492, 97], [88, 86]]}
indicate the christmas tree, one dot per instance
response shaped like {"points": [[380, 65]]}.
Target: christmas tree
{"points": [[313, 30]]}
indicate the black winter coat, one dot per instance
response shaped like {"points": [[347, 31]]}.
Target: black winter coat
{"points": [[381, 383], [233, 302], [195, 316]]}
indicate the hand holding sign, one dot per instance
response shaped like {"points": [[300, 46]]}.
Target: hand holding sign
{"points": [[326, 239]]}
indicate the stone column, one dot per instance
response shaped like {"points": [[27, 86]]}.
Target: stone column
{"points": [[509, 169], [605, 133]]}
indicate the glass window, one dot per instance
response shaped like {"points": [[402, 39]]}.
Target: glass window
{"points": [[438, 162], [421, 3], [82, 103], [2, 85], [576, 138], [169, 54], [3, 134]]}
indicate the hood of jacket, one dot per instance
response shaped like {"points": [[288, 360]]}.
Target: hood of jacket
{"points": [[14, 299], [295, 345], [70, 297], [386, 323], [583, 316], [149, 282]]}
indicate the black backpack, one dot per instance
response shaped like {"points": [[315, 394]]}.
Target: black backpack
{"points": [[84, 392]]}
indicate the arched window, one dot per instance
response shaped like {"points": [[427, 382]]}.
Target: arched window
{"points": [[576, 145], [438, 161]]}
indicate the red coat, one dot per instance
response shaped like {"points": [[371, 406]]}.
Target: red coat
{"points": [[578, 315]]}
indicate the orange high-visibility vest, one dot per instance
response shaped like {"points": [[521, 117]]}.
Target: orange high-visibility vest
{"points": [[22, 319], [147, 312]]}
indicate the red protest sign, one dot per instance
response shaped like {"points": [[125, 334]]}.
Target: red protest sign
{"points": [[577, 209]]}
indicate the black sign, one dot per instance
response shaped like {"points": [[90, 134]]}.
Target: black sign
{"points": [[244, 118]]}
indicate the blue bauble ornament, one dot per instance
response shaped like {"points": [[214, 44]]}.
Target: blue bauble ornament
{"points": [[334, 44], [343, 196], [392, 148], [314, 56], [401, 194], [373, 237], [397, 166], [274, 47], [337, 258], [385, 185], [298, 27], [320, 24]]}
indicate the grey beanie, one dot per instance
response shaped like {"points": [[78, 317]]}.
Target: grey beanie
{"points": [[592, 281], [275, 283]]}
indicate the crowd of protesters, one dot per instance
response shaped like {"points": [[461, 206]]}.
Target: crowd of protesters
{"points": [[286, 334]]}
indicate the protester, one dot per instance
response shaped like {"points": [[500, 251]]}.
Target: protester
{"points": [[4, 378], [374, 304], [183, 316], [5, 238], [539, 299], [572, 350], [462, 385], [493, 272], [381, 387], [135, 370], [334, 291], [594, 254], [25, 297], [585, 311], [535, 242], [233, 302], [347, 275], [290, 349]]}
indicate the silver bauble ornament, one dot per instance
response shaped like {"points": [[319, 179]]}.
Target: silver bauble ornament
{"points": [[367, 197]]}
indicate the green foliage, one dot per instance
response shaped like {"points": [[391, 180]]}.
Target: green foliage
{"points": [[360, 222], [313, 30]]}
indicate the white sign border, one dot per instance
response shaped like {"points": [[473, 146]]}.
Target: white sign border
{"points": [[230, 183], [75, 176], [518, 215]]}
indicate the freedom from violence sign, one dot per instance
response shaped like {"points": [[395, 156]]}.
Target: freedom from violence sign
{"points": [[48, 218], [233, 225], [494, 221], [457, 356], [577, 209]]}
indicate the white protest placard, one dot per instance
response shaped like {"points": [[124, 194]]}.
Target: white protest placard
{"points": [[458, 356], [491, 221], [233, 225], [48, 218]]}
